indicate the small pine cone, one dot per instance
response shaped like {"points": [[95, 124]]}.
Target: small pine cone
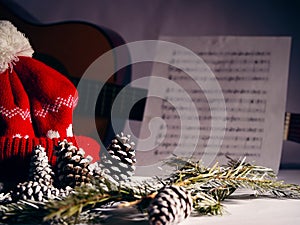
{"points": [[61, 193], [5, 198], [118, 162], [72, 168], [40, 170], [99, 177], [36, 191], [122, 149], [32, 190], [96, 171], [170, 206]]}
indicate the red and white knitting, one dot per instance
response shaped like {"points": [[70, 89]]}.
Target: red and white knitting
{"points": [[36, 103]]}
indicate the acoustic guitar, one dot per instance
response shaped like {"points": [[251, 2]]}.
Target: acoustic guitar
{"points": [[292, 127], [70, 47]]}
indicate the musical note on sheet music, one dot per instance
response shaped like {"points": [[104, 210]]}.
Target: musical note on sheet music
{"points": [[249, 70]]}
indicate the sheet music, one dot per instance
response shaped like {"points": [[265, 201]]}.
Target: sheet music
{"points": [[252, 73]]}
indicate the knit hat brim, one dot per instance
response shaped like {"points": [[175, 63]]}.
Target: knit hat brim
{"points": [[15, 150]]}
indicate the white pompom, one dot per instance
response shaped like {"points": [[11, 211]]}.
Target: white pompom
{"points": [[13, 43]]}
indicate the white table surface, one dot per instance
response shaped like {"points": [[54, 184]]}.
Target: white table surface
{"points": [[257, 211]]}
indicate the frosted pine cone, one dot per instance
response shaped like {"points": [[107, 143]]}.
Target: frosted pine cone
{"points": [[36, 191], [118, 162], [122, 149], [170, 206], [99, 177], [40, 185], [32, 190], [72, 168], [5, 198], [61, 193], [40, 170]]}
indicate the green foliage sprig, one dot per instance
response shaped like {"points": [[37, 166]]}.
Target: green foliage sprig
{"points": [[208, 188], [222, 181]]}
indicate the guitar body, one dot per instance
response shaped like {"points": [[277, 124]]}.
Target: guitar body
{"points": [[70, 48], [292, 127]]}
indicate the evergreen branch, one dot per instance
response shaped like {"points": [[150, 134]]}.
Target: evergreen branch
{"points": [[89, 198], [222, 181], [23, 212], [205, 204], [85, 198], [208, 188], [130, 194]]}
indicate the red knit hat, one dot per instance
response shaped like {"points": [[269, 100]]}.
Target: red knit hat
{"points": [[36, 105]]}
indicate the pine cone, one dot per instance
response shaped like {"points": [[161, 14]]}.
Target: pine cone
{"points": [[72, 168], [61, 193], [118, 162], [40, 185], [5, 198], [99, 177], [36, 191], [40, 170], [32, 190], [122, 149], [170, 206]]}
